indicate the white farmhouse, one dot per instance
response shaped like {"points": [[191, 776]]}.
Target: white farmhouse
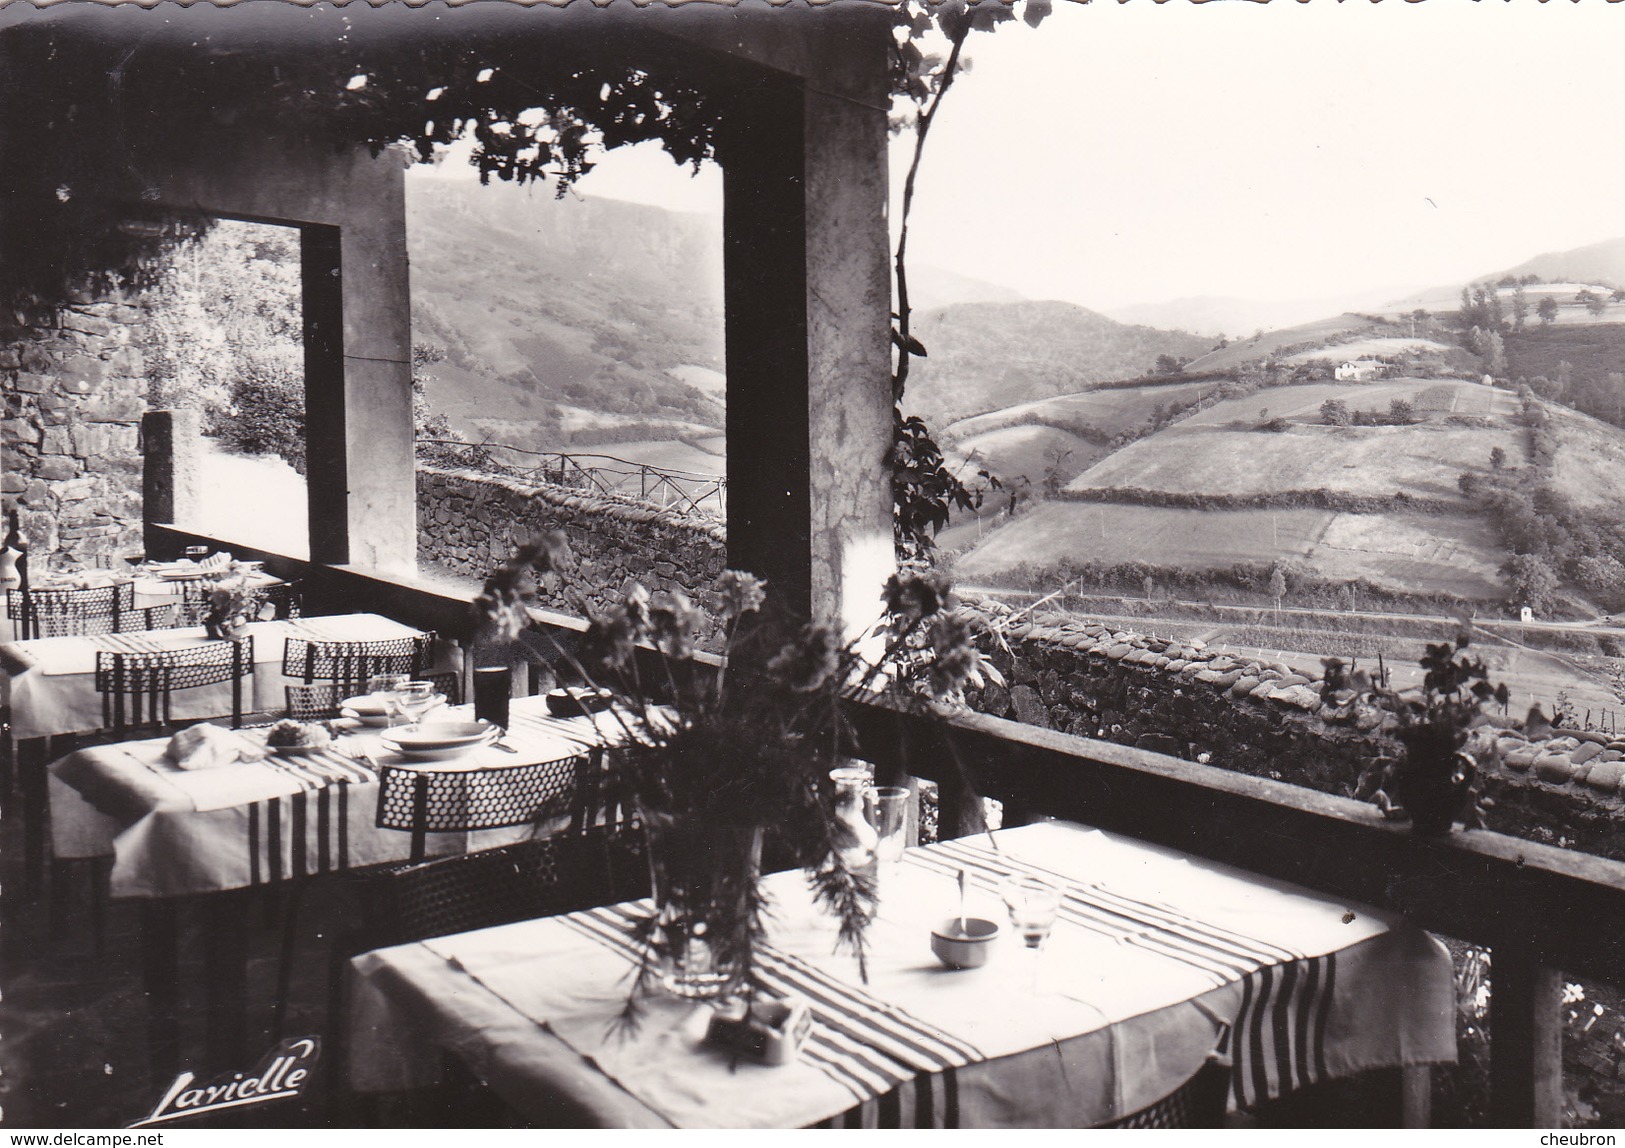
{"points": [[1359, 371]]}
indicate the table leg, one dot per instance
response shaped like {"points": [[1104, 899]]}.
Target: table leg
{"points": [[226, 975], [31, 754], [160, 950]]}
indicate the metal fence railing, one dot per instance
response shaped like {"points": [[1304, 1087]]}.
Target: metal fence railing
{"points": [[684, 491]]}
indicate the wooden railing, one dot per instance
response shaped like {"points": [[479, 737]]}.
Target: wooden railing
{"points": [[1542, 911]]}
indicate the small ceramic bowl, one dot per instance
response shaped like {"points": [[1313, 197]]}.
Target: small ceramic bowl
{"points": [[964, 943]]}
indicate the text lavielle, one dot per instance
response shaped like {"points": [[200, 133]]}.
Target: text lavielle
{"points": [[280, 1075]]}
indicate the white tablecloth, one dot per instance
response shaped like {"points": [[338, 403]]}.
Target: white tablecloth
{"points": [[53, 687], [1149, 949], [173, 832]]}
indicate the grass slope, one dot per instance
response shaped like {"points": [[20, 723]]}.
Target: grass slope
{"points": [[989, 356]]}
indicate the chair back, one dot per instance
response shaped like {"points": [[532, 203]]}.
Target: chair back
{"points": [[53, 612], [136, 688], [541, 877], [422, 799], [318, 701], [349, 665]]}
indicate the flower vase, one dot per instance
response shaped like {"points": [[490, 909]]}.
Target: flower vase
{"points": [[1436, 793], [704, 881], [227, 629]]}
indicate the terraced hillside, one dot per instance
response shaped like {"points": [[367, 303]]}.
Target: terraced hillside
{"points": [[1223, 489]]}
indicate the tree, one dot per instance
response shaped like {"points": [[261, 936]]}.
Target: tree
{"points": [[1495, 355], [1520, 307], [1401, 411], [1277, 590], [1597, 304], [1055, 476], [1169, 365], [1532, 582], [1336, 413], [1498, 458], [1546, 308]]}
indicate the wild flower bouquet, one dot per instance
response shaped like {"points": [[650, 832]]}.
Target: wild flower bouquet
{"points": [[724, 764], [1432, 781], [230, 600]]}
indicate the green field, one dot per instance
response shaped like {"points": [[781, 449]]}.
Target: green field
{"points": [[1013, 452], [1589, 466], [1243, 351], [1421, 553], [1372, 347], [1109, 411], [1422, 461], [1301, 401]]}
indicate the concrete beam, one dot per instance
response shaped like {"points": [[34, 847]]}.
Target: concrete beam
{"points": [[351, 209], [808, 300]]}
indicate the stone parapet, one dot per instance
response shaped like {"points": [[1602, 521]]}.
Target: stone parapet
{"points": [[1248, 715], [469, 523]]}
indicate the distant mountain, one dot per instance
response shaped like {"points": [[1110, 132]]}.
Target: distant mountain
{"points": [[986, 356], [1239, 318], [578, 313], [1594, 263], [932, 287]]}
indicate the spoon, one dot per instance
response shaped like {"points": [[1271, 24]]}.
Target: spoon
{"points": [[963, 881]]}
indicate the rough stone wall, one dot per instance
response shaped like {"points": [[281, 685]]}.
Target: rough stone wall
{"points": [[1559, 786], [469, 523], [74, 396]]}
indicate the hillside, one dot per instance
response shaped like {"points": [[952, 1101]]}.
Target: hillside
{"points": [[1213, 316], [987, 356], [582, 316], [1594, 263]]}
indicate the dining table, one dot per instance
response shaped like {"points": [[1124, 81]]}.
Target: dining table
{"points": [[53, 680], [204, 844], [1155, 958]]}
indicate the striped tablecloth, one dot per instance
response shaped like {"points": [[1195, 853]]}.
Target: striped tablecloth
{"points": [[53, 688], [173, 832], [1150, 953]]}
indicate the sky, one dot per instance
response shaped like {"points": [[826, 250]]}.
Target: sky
{"points": [[1127, 153]]}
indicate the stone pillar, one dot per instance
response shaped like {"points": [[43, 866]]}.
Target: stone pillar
{"points": [[172, 468], [808, 301]]}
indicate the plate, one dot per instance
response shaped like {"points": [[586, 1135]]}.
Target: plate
{"points": [[435, 741]]}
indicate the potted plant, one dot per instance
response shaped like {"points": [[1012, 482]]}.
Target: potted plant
{"points": [[724, 766], [1432, 781]]}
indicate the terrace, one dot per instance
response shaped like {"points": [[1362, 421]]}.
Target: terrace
{"points": [[796, 106]]}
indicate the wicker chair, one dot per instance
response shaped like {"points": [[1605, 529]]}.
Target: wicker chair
{"points": [[541, 877], [318, 701], [52, 612], [427, 800], [136, 688], [349, 665]]}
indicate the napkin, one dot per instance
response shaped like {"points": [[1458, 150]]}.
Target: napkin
{"points": [[204, 746]]}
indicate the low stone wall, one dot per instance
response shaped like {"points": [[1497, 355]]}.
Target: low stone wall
{"points": [[1262, 718], [469, 523], [74, 396]]}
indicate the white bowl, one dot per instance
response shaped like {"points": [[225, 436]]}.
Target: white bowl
{"points": [[437, 741]]}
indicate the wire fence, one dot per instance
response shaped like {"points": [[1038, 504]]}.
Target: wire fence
{"points": [[683, 491]]}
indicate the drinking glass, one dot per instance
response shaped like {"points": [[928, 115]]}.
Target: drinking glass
{"points": [[414, 699], [1034, 904], [887, 810]]}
